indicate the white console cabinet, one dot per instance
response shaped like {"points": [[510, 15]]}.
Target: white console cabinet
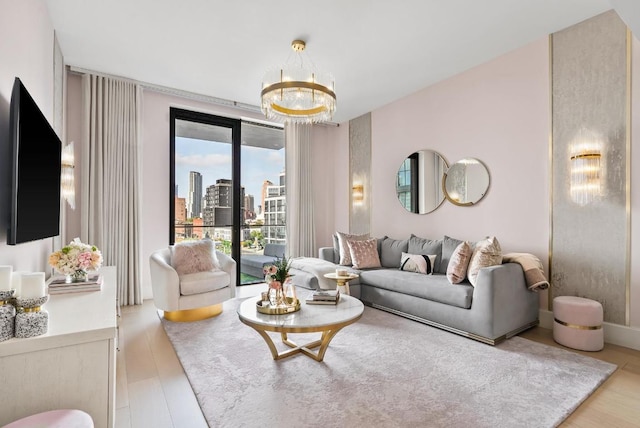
{"points": [[72, 366]]}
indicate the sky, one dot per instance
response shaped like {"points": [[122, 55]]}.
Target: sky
{"points": [[213, 161]]}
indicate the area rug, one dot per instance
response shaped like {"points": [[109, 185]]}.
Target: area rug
{"points": [[382, 371]]}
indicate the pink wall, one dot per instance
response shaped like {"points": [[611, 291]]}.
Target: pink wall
{"points": [[26, 51]]}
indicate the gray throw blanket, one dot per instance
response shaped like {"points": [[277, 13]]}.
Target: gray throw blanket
{"points": [[532, 267]]}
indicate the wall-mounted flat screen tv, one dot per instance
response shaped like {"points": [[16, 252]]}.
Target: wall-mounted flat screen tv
{"points": [[36, 157]]}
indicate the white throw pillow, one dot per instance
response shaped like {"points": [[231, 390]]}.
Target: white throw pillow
{"points": [[486, 253], [419, 263]]}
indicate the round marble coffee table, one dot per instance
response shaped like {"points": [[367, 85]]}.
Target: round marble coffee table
{"points": [[327, 319]]}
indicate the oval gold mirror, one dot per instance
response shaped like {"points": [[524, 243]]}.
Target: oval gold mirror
{"points": [[419, 181], [466, 182]]}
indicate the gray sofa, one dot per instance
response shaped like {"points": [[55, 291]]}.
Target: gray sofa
{"points": [[252, 264], [498, 307]]}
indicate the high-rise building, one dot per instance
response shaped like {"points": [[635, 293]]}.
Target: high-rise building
{"points": [[265, 185], [275, 209], [180, 209], [218, 204], [194, 199], [249, 210]]}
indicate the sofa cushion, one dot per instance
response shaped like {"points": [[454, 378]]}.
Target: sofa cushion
{"points": [[391, 251], [203, 282], [193, 257], [459, 263], [274, 250], [449, 245], [345, 255], [427, 247], [486, 253], [364, 254], [418, 263], [432, 287]]}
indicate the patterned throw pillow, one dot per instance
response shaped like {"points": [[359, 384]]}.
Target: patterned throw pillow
{"points": [[345, 255], [193, 257], [364, 254], [458, 263], [419, 263], [486, 253]]}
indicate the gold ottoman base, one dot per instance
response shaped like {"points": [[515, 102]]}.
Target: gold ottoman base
{"points": [[188, 315]]}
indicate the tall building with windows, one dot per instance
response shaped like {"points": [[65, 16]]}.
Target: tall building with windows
{"points": [[194, 198], [275, 228], [218, 202], [249, 208]]}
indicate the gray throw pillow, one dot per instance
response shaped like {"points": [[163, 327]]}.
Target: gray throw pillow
{"points": [[449, 245], [391, 251], [427, 247]]}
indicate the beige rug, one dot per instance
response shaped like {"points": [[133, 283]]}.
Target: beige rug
{"points": [[383, 371]]}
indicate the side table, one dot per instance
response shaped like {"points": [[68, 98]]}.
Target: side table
{"points": [[342, 281]]}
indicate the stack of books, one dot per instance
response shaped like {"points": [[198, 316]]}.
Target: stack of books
{"points": [[60, 286], [323, 297]]}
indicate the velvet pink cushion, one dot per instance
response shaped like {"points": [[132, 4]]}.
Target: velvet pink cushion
{"points": [[364, 254], [345, 253], [578, 323], [193, 257], [458, 263]]}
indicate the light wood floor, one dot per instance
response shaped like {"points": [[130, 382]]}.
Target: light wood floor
{"points": [[153, 391]]}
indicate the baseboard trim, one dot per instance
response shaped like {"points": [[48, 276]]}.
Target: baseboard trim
{"points": [[615, 334]]}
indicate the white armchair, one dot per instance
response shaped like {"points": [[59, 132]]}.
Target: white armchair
{"points": [[193, 296]]}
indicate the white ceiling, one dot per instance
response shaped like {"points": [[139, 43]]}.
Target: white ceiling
{"points": [[378, 50]]}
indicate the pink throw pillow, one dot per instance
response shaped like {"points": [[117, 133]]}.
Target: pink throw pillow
{"points": [[364, 254], [458, 263], [193, 257]]}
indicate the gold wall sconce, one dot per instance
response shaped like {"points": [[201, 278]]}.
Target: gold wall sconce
{"points": [[67, 179], [357, 193], [586, 168]]}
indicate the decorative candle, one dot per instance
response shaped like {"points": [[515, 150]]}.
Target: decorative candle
{"points": [[16, 281], [32, 285], [5, 278], [342, 272]]}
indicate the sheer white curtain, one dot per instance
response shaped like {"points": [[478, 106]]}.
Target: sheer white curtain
{"points": [[301, 240], [110, 185]]}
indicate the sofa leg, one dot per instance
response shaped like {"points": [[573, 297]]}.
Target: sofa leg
{"points": [[188, 315]]}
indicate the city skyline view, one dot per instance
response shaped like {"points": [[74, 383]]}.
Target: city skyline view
{"points": [[213, 161]]}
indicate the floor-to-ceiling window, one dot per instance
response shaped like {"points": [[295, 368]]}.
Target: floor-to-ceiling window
{"points": [[216, 161]]}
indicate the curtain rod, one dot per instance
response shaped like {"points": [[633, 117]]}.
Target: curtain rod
{"points": [[181, 93]]}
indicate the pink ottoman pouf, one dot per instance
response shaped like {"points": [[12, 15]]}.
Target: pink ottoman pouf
{"points": [[578, 323], [66, 418]]}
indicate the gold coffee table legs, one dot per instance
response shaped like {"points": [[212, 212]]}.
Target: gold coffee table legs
{"points": [[306, 349]]}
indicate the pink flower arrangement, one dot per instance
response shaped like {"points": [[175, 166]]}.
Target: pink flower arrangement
{"points": [[276, 274], [76, 257]]}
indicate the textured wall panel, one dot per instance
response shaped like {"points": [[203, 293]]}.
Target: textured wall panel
{"points": [[589, 92], [360, 173]]}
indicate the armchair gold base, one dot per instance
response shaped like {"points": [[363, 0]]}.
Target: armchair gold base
{"points": [[188, 315]]}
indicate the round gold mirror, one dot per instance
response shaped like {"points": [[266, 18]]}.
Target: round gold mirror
{"points": [[419, 181], [466, 182]]}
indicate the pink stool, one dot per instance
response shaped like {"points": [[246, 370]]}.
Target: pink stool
{"points": [[578, 323], [55, 419]]}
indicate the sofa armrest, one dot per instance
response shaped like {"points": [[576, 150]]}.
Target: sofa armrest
{"points": [[326, 253], [228, 265], [502, 301]]}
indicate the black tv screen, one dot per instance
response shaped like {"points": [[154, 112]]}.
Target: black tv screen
{"points": [[36, 156]]}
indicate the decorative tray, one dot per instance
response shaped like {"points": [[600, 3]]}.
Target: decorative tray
{"points": [[278, 310]]}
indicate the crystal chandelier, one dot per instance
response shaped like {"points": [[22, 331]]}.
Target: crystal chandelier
{"points": [[296, 92]]}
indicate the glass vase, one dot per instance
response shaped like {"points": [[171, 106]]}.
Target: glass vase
{"points": [[77, 276]]}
